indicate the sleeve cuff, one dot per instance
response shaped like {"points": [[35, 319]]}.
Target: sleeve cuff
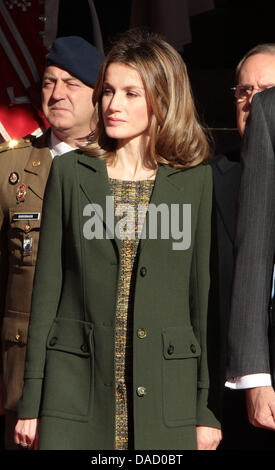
{"points": [[205, 415], [29, 404], [249, 381]]}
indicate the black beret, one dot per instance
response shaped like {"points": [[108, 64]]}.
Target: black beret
{"points": [[78, 57]]}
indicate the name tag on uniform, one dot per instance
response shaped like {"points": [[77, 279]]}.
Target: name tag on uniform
{"points": [[26, 216]]}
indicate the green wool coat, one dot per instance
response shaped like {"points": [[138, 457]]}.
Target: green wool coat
{"points": [[69, 375]]}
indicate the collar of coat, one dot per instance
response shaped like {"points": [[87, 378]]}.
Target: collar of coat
{"points": [[99, 166], [95, 185]]}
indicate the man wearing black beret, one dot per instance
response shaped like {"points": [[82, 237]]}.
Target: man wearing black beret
{"points": [[72, 66]]}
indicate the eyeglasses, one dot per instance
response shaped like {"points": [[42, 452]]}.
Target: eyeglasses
{"points": [[244, 92]]}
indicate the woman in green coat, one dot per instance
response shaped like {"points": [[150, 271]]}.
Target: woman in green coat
{"points": [[117, 347]]}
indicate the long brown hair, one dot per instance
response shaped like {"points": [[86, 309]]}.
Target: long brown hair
{"points": [[176, 136]]}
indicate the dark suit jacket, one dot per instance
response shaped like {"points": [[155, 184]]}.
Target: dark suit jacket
{"points": [[249, 324], [238, 433], [226, 181]]}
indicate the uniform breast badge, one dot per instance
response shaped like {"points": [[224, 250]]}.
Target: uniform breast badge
{"points": [[27, 245], [13, 178], [21, 192]]}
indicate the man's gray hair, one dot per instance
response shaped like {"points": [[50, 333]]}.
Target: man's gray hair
{"points": [[267, 48]]}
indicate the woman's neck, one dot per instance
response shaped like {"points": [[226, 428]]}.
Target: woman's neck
{"points": [[130, 162]]}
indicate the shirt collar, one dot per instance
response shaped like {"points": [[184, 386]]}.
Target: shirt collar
{"points": [[57, 147]]}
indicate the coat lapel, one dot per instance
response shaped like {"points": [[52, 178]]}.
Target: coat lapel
{"points": [[163, 193], [94, 183], [93, 178], [226, 175], [38, 165]]}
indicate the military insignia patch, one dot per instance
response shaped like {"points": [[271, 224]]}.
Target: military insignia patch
{"points": [[27, 245], [13, 178], [21, 192]]}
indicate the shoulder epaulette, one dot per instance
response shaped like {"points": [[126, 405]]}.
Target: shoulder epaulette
{"points": [[15, 144]]}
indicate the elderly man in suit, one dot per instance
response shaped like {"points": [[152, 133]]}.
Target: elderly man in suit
{"points": [[67, 89], [251, 339], [254, 73]]}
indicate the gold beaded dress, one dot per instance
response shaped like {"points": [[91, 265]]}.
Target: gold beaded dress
{"points": [[132, 198]]}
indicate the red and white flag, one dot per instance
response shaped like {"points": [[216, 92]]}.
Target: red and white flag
{"points": [[22, 59]]}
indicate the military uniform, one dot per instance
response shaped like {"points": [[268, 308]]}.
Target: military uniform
{"points": [[25, 167]]}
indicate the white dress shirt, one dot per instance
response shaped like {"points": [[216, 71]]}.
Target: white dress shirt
{"points": [[57, 147], [249, 381]]}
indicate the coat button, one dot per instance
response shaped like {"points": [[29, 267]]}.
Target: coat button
{"points": [[143, 271], [53, 341], [170, 349], [84, 347], [141, 391], [193, 348], [142, 333]]}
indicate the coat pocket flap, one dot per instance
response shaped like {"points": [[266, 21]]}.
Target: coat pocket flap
{"points": [[73, 336], [15, 327], [180, 343]]}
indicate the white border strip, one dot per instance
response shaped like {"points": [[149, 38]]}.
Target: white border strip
{"points": [[4, 133], [20, 41], [37, 132], [8, 50]]}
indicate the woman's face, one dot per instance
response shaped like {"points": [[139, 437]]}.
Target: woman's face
{"points": [[124, 106]]}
